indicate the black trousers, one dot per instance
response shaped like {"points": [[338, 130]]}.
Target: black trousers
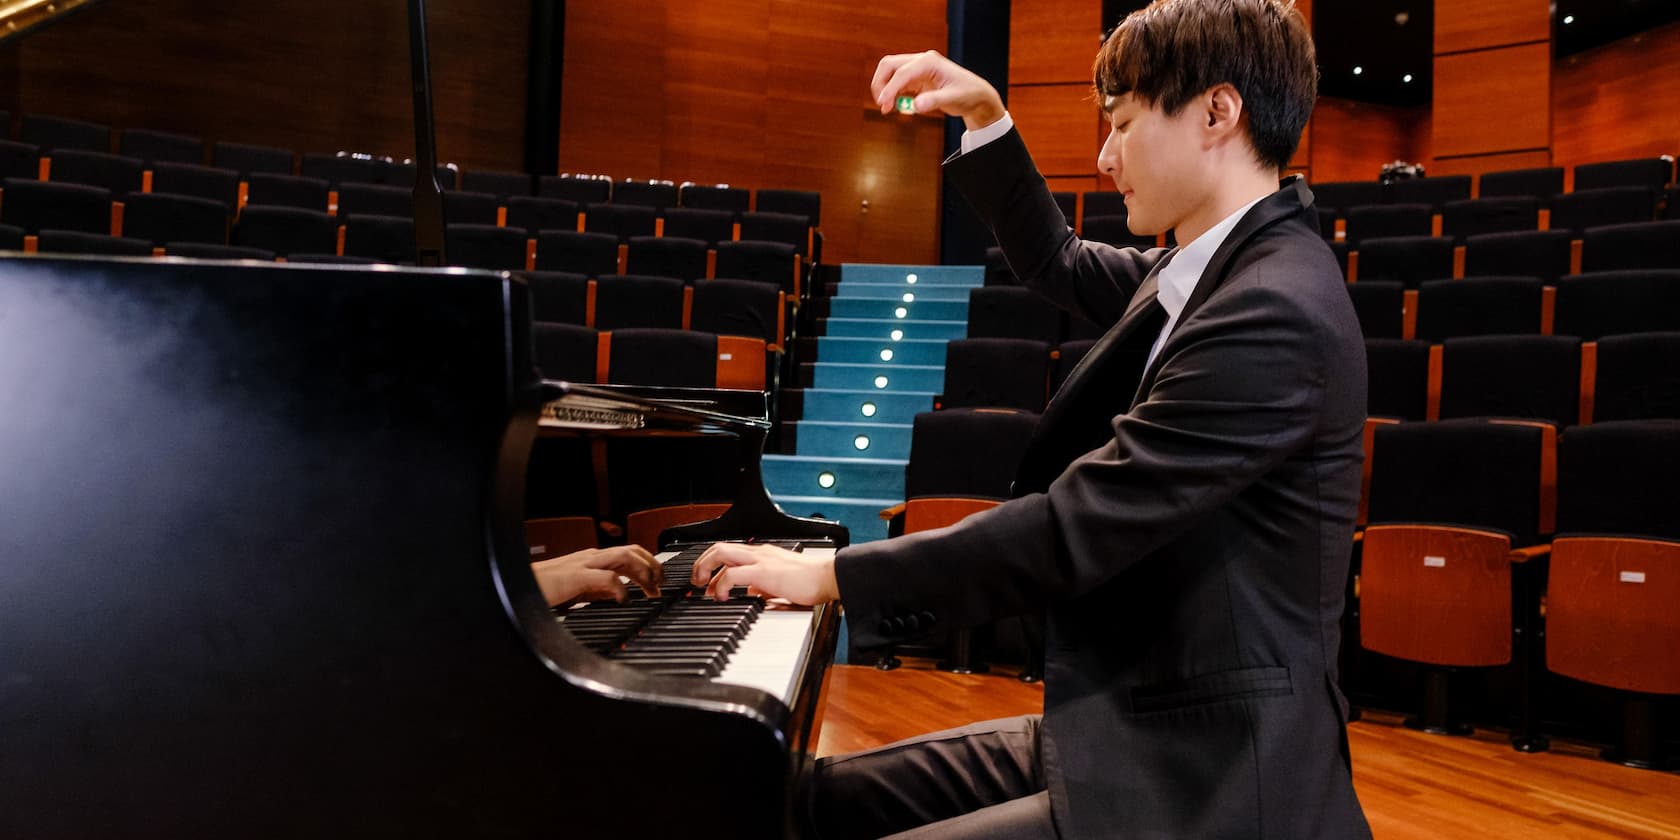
{"points": [[984, 780]]}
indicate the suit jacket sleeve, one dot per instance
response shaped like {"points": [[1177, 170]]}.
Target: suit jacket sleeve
{"points": [[1240, 393], [1089, 278]]}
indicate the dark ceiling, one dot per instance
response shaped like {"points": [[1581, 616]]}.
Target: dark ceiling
{"points": [[1367, 49]]}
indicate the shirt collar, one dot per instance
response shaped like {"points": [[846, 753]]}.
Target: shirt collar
{"points": [[1178, 278]]}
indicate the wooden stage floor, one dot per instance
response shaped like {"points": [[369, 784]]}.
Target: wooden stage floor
{"points": [[1412, 785]]}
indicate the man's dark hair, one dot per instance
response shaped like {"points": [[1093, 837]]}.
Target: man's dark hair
{"points": [[1173, 50]]}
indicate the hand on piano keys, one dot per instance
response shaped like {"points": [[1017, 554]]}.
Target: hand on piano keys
{"points": [[767, 570], [593, 574]]}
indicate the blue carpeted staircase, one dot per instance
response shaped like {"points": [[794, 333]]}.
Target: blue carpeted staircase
{"points": [[880, 363]]}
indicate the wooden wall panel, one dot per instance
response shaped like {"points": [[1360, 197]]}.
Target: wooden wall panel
{"points": [[1352, 140], [1493, 101], [314, 77], [1618, 101], [761, 93], [1462, 25], [1053, 41], [1059, 124]]}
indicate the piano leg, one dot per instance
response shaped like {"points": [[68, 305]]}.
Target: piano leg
{"points": [[887, 660]]}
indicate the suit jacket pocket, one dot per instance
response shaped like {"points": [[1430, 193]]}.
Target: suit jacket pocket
{"points": [[1218, 687]]}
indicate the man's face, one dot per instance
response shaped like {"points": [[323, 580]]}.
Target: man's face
{"points": [[1155, 161]]}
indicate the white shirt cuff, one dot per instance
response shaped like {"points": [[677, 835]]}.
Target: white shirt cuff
{"points": [[972, 140]]}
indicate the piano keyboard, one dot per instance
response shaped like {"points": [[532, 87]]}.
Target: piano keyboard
{"points": [[742, 641]]}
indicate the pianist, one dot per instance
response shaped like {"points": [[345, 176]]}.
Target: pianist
{"points": [[1183, 514]]}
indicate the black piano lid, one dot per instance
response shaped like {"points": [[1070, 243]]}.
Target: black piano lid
{"points": [[262, 572]]}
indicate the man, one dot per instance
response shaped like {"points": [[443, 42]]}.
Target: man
{"points": [[1184, 512]]}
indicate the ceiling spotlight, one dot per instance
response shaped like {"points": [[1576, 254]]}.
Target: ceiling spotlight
{"points": [[1407, 78], [1358, 71], [1403, 18], [1568, 19]]}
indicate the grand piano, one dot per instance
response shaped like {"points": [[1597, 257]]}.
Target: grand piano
{"points": [[263, 573]]}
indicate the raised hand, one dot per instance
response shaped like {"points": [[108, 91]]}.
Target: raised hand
{"points": [[593, 574], [940, 85], [766, 570]]}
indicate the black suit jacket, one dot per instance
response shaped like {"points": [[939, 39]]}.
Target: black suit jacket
{"points": [[1186, 528]]}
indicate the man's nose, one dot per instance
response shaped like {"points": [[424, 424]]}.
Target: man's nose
{"points": [[1108, 158]]}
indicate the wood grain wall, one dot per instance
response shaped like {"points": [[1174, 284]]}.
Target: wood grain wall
{"points": [[1619, 101], [760, 93], [310, 76], [1352, 140]]}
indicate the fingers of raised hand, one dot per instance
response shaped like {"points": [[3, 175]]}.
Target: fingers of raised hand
{"points": [[911, 70]]}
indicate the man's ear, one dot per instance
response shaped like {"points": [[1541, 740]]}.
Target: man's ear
{"points": [[1224, 108]]}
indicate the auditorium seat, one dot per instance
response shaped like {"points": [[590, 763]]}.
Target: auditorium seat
{"points": [[1101, 203], [666, 256], [1637, 377], [655, 194], [996, 373], [765, 262], [340, 169], [1652, 173], [19, 160], [34, 205], [1398, 378], [559, 297], [1068, 356], [161, 218], [566, 351], [53, 134], [1478, 306], [1617, 302], [1540, 184], [620, 220], [332, 259], [269, 189], [1112, 230], [534, 214], [98, 244], [649, 356], [1326, 217], [1434, 191], [1455, 511], [402, 175], [1582, 209], [153, 147], [1380, 306], [484, 246], [357, 199], [121, 175], [718, 197], [1339, 250], [214, 183], [286, 230], [1012, 312], [1631, 246], [1078, 328], [807, 203], [1614, 576], [739, 307], [629, 300], [1068, 203], [11, 238], [387, 239], [1671, 203], [204, 251], [1341, 196], [1463, 219], [944, 483], [469, 208], [785, 228], [1386, 220], [248, 159], [1535, 377], [580, 190], [1408, 260], [502, 185], [708, 226], [593, 254], [1541, 253], [998, 272]]}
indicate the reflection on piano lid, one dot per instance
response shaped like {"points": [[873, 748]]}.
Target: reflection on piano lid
{"points": [[634, 407]]}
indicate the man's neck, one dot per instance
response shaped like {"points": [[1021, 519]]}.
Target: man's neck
{"points": [[1229, 195]]}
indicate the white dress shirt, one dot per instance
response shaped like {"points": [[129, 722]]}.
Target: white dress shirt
{"points": [[1177, 279]]}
